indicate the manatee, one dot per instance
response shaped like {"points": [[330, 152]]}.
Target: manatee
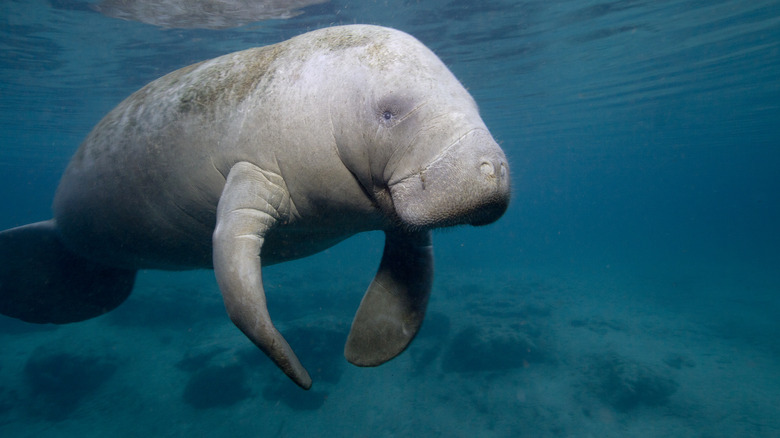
{"points": [[259, 157]]}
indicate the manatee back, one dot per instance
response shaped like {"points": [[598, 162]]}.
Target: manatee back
{"points": [[142, 189]]}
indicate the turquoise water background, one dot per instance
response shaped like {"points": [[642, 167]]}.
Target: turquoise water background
{"points": [[631, 289]]}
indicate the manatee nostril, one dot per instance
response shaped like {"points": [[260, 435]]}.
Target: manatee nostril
{"points": [[487, 168]]}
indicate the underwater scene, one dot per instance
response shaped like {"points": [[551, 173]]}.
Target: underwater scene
{"points": [[631, 287]]}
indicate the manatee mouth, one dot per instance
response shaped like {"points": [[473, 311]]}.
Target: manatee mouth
{"points": [[467, 183]]}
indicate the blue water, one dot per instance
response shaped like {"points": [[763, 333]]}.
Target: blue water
{"points": [[631, 289]]}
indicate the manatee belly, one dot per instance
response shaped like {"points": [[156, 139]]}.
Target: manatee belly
{"points": [[133, 217], [137, 201], [133, 222]]}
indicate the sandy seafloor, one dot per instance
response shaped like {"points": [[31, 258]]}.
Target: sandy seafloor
{"points": [[580, 351]]}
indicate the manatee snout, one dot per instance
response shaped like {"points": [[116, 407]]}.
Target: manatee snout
{"points": [[494, 172], [467, 184]]}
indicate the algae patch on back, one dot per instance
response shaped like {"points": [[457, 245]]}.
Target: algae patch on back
{"points": [[229, 80]]}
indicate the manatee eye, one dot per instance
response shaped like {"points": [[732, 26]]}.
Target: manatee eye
{"points": [[387, 117], [392, 109]]}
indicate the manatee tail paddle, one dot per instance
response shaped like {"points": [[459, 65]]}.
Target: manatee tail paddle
{"points": [[41, 281]]}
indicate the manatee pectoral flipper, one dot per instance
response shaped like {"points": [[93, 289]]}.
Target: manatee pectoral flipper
{"points": [[393, 307], [252, 202], [41, 281]]}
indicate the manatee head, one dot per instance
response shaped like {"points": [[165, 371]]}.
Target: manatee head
{"points": [[412, 136]]}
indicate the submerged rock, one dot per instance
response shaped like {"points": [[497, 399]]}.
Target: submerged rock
{"points": [[494, 347], [217, 386], [58, 381], [625, 384]]}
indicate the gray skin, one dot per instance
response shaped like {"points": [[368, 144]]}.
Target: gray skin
{"points": [[260, 157]]}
